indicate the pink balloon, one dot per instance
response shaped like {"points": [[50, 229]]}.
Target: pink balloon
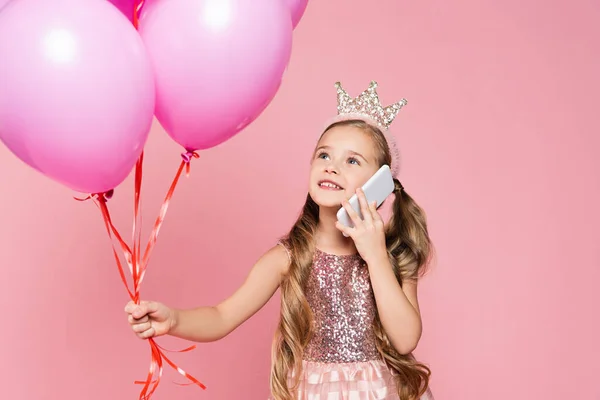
{"points": [[3, 3], [218, 64], [297, 8], [77, 96]]}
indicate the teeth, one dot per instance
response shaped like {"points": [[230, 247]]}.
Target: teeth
{"points": [[330, 185]]}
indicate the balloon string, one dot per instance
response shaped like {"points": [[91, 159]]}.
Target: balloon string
{"points": [[137, 264], [100, 200], [137, 225], [185, 162], [136, 13]]}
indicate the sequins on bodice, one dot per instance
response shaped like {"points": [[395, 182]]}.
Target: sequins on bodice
{"points": [[340, 296]]}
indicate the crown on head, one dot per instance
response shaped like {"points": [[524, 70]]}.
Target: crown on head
{"points": [[367, 104]]}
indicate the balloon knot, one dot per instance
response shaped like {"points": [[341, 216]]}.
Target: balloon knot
{"points": [[188, 155], [97, 196]]}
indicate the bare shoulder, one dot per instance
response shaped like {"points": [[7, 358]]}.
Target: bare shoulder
{"points": [[277, 258]]}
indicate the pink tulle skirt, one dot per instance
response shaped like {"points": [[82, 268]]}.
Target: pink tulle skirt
{"points": [[371, 380]]}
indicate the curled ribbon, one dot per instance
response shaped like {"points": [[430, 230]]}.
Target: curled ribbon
{"points": [[138, 262]]}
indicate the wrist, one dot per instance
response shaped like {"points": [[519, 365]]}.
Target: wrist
{"points": [[378, 259], [173, 320]]}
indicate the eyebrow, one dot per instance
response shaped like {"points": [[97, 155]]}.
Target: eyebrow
{"points": [[354, 153]]}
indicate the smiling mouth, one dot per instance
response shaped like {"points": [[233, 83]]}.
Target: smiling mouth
{"points": [[329, 185]]}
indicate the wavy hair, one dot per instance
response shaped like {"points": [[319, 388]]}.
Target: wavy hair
{"points": [[409, 249]]}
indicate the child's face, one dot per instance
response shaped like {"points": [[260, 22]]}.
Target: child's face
{"points": [[343, 161]]}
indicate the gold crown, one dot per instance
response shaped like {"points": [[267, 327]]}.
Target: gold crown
{"points": [[367, 104]]}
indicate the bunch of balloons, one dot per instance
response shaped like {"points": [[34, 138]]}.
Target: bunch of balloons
{"points": [[80, 85], [81, 80]]}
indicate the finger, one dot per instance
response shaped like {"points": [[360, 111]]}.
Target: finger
{"points": [[139, 328], [374, 213], [347, 231], [132, 320], [129, 307], [146, 334], [145, 307], [364, 206], [356, 220]]}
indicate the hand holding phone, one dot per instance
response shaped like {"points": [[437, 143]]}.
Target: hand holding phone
{"points": [[377, 189]]}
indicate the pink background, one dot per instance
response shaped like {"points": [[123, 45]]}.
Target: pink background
{"points": [[499, 144]]}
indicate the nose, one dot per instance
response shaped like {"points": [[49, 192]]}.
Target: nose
{"points": [[331, 169]]}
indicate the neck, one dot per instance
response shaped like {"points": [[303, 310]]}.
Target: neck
{"points": [[328, 237]]}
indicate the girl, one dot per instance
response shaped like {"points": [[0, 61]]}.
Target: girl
{"points": [[349, 311]]}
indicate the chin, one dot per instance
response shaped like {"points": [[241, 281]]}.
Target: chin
{"points": [[326, 199]]}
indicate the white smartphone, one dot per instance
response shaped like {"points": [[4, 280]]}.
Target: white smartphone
{"points": [[377, 189]]}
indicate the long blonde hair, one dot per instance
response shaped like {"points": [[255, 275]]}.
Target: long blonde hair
{"points": [[409, 249]]}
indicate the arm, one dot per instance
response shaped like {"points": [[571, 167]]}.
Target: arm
{"points": [[398, 306], [206, 324]]}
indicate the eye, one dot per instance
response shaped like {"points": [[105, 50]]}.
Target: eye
{"points": [[322, 155], [354, 161]]}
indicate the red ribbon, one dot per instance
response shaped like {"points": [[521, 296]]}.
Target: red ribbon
{"points": [[136, 13], [138, 263]]}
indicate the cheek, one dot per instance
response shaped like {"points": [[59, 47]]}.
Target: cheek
{"points": [[312, 170], [313, 173], [358, 180], [354, 184]]}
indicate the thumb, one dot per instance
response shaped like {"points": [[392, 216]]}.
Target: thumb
{"points": [[145, 307]]}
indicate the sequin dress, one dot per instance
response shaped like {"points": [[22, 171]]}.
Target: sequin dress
{"points": [[341, 361]]}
